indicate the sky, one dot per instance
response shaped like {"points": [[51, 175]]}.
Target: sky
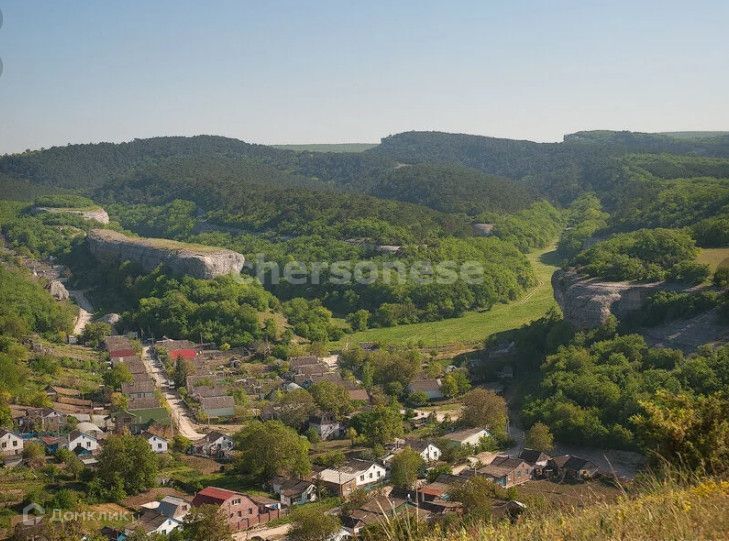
{"points": [[277, 72]]}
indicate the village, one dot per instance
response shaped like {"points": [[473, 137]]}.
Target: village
{"points": [[188, 401]]}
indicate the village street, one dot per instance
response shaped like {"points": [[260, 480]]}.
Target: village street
{"points": [[180, 415], [267, 534]]}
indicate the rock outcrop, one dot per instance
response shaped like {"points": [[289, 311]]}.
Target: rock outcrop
{"points": [[588, 302], [97, 213], [57, 290], [180, 258]]}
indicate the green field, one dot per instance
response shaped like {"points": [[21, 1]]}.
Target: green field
{"points": [[473, 327], [339, 147], [713, 257]]}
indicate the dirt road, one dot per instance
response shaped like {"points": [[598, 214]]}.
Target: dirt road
{"points": [[85, 310], [268, 534], [180, 415]]}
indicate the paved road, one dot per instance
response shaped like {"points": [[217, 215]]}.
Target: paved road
{"points": [[180, 415], [85, 310]]}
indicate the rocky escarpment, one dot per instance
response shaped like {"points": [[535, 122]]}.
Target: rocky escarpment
{"points": [[181, 258], [588, 302], [97, 213]]}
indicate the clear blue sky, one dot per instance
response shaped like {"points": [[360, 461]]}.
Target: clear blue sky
{"points": [[345, 71]]}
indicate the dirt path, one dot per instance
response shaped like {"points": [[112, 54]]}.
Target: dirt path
{"points": [[279, 532], [85, 310], [180, 415]]}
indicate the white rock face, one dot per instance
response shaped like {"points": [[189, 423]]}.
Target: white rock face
{"points": [[58, 291], [588, 302], [195, 260]]}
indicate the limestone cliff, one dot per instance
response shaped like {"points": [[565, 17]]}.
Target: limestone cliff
{"points": [[588, 302], [98, 213], [181, 258]]}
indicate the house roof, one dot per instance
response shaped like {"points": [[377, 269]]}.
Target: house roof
{"points": [[169, 506], [532, 456], [306, 360], [78, 434], [359, 395], [217, 402], [149, 436], [150, 520], [574, 463], [293, 487], [4, 432], [145, 403], [463, 435], [171, 345], [418, 445], [214, 436], [145, 385], [425, 385], [214, 496], [65, 391], [210, 391]]}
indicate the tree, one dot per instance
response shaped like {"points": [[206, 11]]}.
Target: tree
{"points": [[539, 438], [271, 448], [206, 523], [94, 333], [405, 467], [380, 425], [127, 460], [477, 496], [312, 523], [180, 443], [182, 370], [71, 462], [295, 407], [119, 401], [691, 432], [116, 376], [359, 320], [484, 408], [331, 398], [34, 453]]}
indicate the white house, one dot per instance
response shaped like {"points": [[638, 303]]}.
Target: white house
{"points": [[82, 442], [214, 444], [469, 436], [428, 451], [158, 444], [10, 443]]}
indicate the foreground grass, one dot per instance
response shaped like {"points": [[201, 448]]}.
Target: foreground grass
{"points": [[668, 513], [473, 327]]}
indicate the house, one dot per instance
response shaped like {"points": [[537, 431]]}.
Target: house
{"points": [[153, 522], [157, 443], [572, 467], [10, 443], [294, 491], [427, 450], [51, 443], [54, 392], [534, 458], [30, 419], [240, 510], [469, 436], [354, 473], [119, 347], [82, 443], [215, 444], [139, 388], [326, 426], [137, 403], [208, 391], [373, 512], [218, 406], [431, 387], [506, 471], [173, 507]]}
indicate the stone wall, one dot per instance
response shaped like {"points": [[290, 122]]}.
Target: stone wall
{"points": [[194, 260]]}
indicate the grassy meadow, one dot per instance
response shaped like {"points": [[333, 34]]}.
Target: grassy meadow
{"points": [[472, 328]]}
